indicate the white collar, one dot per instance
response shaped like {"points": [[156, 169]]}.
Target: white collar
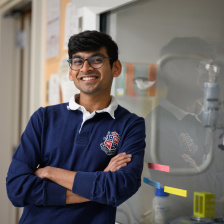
{"points": [[178, 112], [75, 106]]}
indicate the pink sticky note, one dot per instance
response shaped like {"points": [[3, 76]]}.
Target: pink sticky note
{"points": [[159, 167]]}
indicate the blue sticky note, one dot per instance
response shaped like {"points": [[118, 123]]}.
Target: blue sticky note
{"points": [[151, 182]]}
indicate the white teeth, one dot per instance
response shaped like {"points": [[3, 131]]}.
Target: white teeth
{"points": [[88, 78]]}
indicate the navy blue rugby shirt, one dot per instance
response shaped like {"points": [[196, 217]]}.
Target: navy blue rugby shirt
{"points": [[55, 136]]}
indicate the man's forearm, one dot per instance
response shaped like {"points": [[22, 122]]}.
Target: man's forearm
{"points": [[63, 177], [72, 198]]}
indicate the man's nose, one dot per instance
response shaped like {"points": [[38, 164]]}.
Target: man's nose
{"points": [[86, 66]]}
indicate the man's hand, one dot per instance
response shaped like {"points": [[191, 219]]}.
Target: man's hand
{"points": [[117, 162], [42, 172]]}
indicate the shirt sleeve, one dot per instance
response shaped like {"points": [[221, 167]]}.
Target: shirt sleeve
{"points": [[114, 188], [23, 187]]}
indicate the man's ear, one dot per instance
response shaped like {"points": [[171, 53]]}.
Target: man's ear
{"points": [[70, 75], [116, 69]]}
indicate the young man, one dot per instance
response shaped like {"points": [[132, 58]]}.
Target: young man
{"points": [[90, 150]]}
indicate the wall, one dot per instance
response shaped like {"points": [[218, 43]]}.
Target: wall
{"points": [[10, 62], [37, 54], [6, 99], [3, 2]]}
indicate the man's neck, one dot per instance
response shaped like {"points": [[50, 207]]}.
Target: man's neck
{"points": [[93, 103]]}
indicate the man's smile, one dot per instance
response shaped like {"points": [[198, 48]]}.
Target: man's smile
{"points": [[88, 78]]}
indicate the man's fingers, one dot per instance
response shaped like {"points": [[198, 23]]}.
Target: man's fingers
{"points": [[118, 161], [122, 159], [121, 156], [118, 167]]}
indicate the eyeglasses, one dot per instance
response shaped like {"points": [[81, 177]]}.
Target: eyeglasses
{"points": [[95, 62]]}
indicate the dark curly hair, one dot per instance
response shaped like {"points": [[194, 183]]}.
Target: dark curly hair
{"points": [[92, 41]]}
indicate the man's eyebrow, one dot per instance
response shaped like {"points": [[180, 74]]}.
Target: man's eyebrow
{"points": [[97, 54], [94, 54], [76, 56]]}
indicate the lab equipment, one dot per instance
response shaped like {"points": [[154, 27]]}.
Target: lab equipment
{"points": [[204, 210], [208, 116], [161, 205], [211, 96], [204, 205]]}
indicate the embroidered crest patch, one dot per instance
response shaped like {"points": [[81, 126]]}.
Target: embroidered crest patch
{"points": [[109, 146]]}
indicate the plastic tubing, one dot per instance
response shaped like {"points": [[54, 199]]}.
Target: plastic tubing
{"points": [[153, 145]]}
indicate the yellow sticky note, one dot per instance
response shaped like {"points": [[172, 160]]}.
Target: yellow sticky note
{"points": [[175, 191]]}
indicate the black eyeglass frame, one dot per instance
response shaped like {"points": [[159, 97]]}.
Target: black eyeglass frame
{"points": [[87, 59]]}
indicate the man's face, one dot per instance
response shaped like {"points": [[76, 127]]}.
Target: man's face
{"points": [[90, 80]]}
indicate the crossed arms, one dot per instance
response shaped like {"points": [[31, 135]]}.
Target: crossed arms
{"points": [[65, 178]]}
